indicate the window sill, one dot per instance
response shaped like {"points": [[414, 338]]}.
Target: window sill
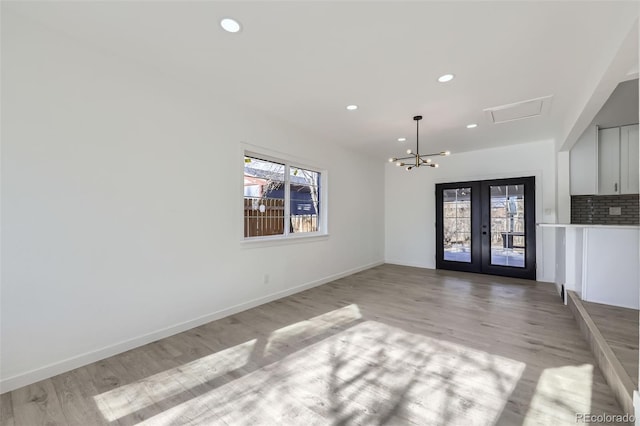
{"points": [[257, 242]]}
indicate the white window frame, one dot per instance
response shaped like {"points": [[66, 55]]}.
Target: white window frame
{"points": [[289, 162]]}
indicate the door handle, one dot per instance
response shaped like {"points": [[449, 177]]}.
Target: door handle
{"points": [[484, 232]]}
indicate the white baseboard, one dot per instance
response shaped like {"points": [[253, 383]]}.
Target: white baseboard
{"points": [[559, 288], [42, 373], [562, 292], [411, 264]]}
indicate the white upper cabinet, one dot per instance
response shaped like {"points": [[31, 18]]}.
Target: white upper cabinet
{"points": [[609, 161], [629, 160], [583, 167], [606, 162]]}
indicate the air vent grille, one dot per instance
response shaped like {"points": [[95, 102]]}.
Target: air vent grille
{"points": [[519, 110]]}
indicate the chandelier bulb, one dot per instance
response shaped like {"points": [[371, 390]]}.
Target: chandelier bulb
{"points": [[428, 160], [409, 168], [409, 151], [435, 165], [391, 160]]}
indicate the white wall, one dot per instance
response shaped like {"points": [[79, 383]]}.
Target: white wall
{"points": [[563, 189], [563, 215], [621, 109], [611, 275], [410, 200], [121, 207]]}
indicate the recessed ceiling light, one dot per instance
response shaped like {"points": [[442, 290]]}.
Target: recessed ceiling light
{"points": [[445, 78], [402, 139], [352, 107], [472, 126], [230, 25]]}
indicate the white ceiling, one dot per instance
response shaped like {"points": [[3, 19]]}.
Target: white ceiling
{"points": [[304, 61]]}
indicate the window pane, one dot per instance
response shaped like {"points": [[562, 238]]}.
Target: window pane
{"points": [[456, 204], [507, 226], [305, 199], [263, 197]]}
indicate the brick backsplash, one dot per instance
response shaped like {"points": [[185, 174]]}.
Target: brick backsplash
{"points": [[594, 209]]}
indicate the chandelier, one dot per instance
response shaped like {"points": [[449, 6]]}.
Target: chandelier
{"points": [[416, 158]]}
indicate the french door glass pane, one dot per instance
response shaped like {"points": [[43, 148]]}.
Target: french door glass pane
{"points": [[456, 205], [507, 225]]}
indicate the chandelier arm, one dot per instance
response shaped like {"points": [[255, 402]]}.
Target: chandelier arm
{"points": [[420, 160]]}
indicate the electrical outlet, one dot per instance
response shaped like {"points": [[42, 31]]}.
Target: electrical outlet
{"points": [[615, 211]]}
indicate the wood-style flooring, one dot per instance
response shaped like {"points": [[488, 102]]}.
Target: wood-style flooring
{"points": [[619, 327], [390, 345]]}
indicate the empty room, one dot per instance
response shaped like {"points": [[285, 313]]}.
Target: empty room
{"points": [[319, 213]]}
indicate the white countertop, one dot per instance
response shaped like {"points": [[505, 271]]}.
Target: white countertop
{"points": [[585, 225]]}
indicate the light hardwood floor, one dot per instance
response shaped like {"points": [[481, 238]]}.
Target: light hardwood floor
{"points": [[612, 370], [390, 345], [619, 327]]}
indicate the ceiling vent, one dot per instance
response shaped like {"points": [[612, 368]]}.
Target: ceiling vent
{"points": [[519, 110]]}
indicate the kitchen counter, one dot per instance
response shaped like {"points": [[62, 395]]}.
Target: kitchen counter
{"points": [[599, 262], [586, 225]]}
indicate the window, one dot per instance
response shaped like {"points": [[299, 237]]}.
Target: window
{"points": [[280, 198]]}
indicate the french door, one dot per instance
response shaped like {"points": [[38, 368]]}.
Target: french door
{"points": [[487, 227]]}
